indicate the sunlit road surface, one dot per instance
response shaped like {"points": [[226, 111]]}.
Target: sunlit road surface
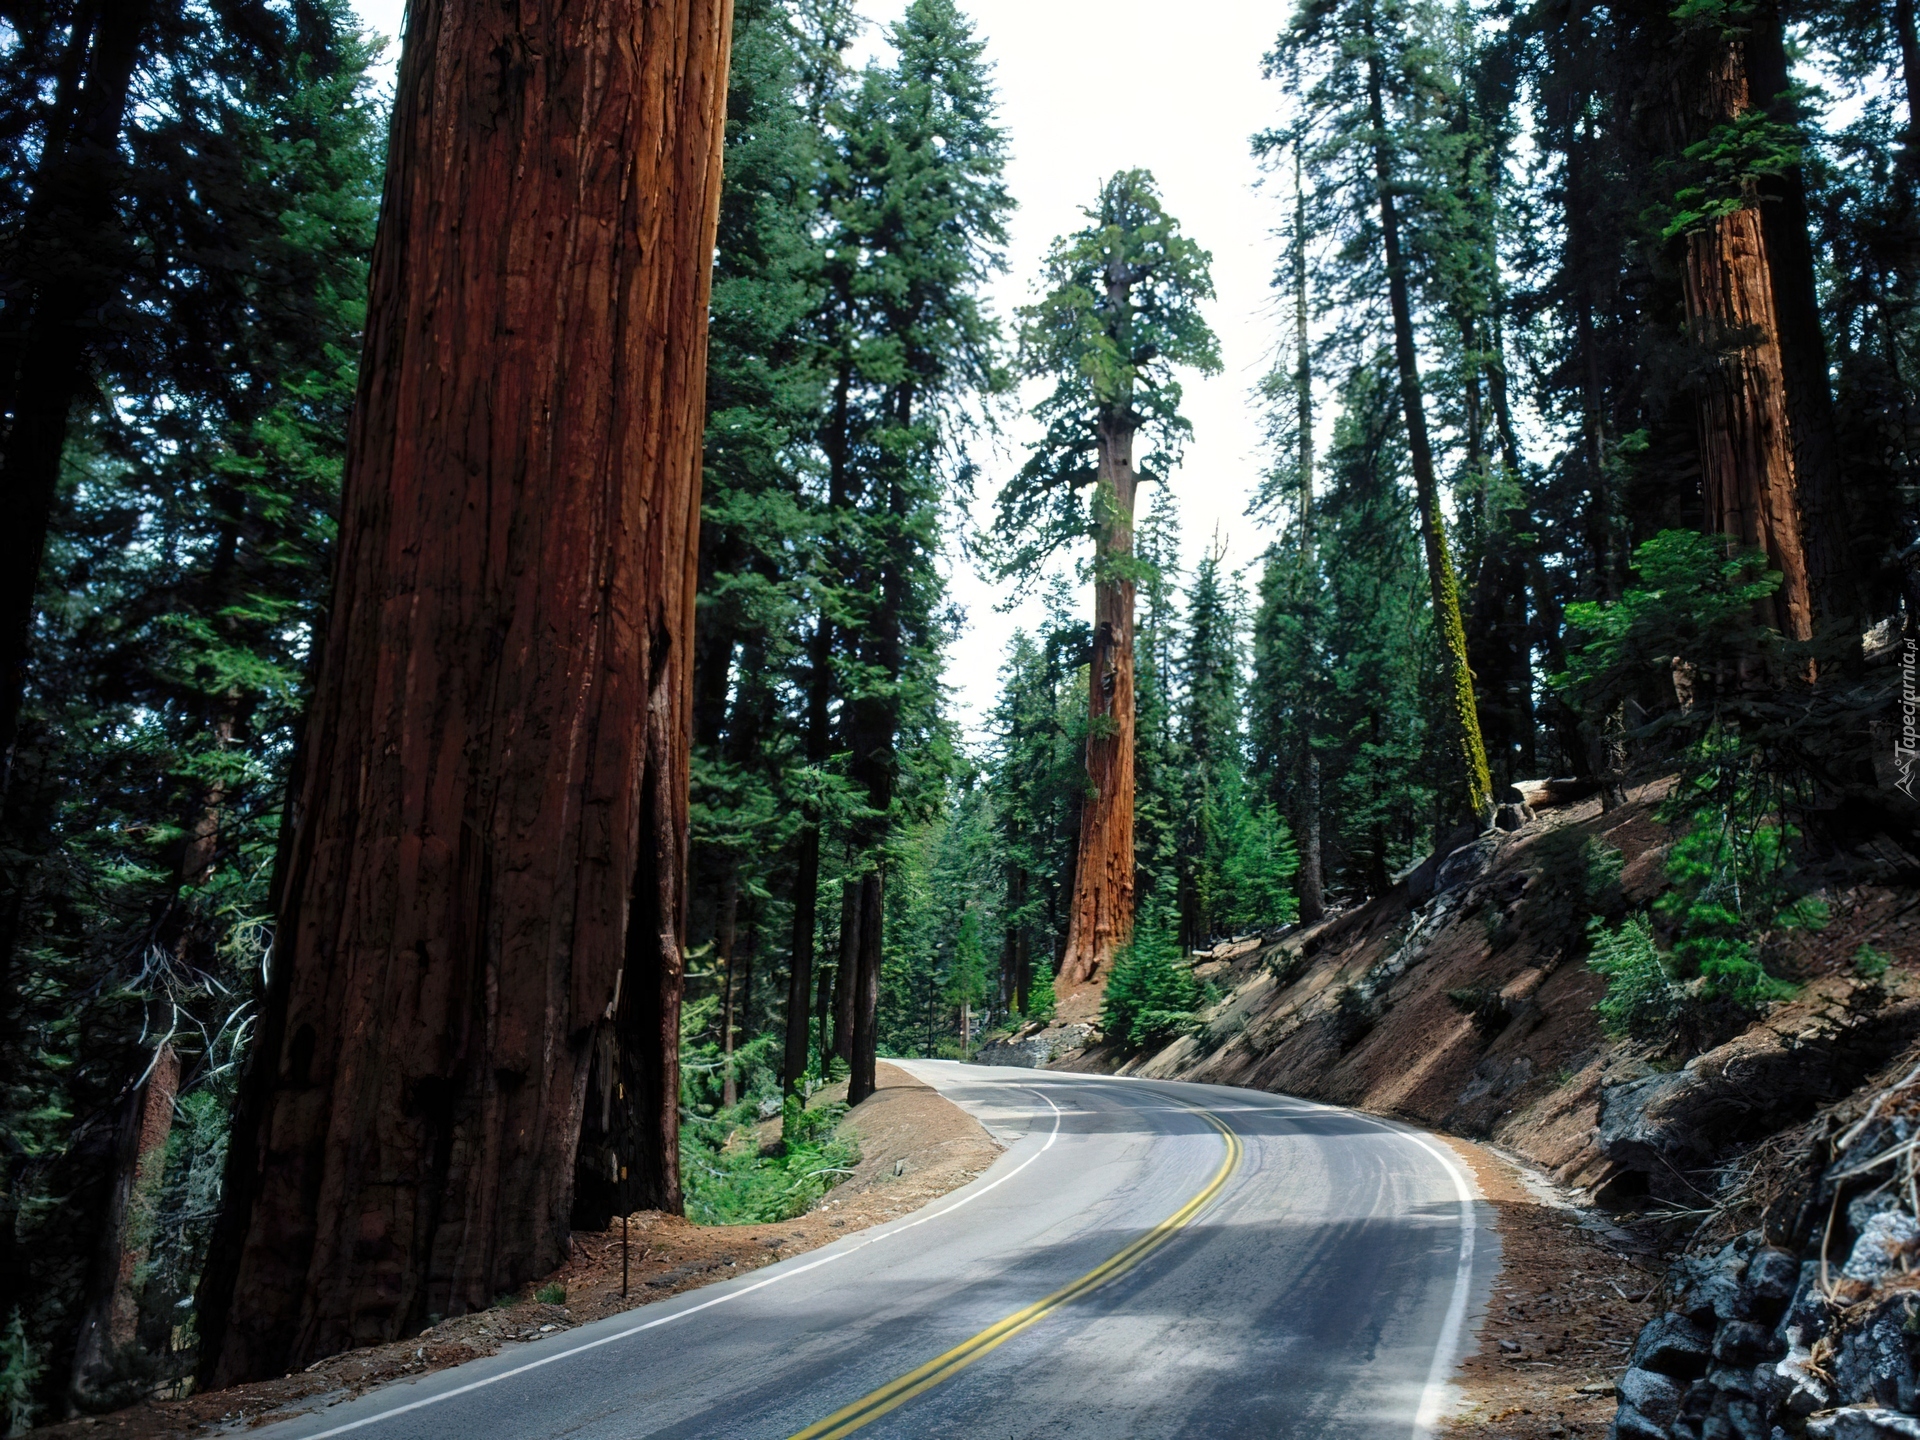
{"points": [[1147, 1259]]}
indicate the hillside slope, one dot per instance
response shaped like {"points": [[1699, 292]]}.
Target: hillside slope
{"points": [[1462, 1000]]}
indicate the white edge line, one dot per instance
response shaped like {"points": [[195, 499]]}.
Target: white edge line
{"points": [[632, 1330], [1433, 1396]]}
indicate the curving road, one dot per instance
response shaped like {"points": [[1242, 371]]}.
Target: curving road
{"points": [[1147, 1259]]}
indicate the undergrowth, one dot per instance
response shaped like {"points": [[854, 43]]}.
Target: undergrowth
{"points": [[1151, 993], [726, 1177]]}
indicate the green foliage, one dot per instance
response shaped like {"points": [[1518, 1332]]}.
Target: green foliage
{"points": [[728, 1181], [1694, 607], [1040, 1000], [1151, 994], [1641, 1000], [20, 1372], [1869, 963], [1120, 315], [554, 1294]]}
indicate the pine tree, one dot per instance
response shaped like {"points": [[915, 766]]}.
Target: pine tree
{"points": [[1366, 116], [185, 569], [1120, 316], [917, 231]]}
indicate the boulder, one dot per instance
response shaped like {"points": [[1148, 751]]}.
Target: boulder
{"points": [[1671, 1344], [1654, 1396]]}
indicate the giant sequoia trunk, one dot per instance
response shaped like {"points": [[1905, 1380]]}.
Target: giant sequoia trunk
{"points": [[1101, 919], [483, 882], [1472, 786], [1749, 480]]}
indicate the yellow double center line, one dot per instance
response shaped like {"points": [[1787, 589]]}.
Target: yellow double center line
{"points": [[896, 1393]]}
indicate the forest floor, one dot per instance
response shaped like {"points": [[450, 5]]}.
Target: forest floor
{"points": [[914, 1147]]}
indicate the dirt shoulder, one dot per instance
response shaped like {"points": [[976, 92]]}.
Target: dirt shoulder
{"points": [[1572, 1292], [914, 1147]]}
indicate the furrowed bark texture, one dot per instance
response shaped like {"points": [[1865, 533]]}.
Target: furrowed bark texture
{"points": [[485, 874], [1749, 484], [1102, 916]]}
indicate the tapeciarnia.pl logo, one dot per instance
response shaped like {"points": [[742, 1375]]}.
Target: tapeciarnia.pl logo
{"points": [[1906, 750]]}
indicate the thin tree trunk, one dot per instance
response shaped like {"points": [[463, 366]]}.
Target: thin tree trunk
{"points": [[75, 254], [1310, 882], [723, 936], [1476, 788], [113, 1317], [1748, 480], [1101, 918], [1908, 35], [847, 973], [488, 846], [1828, 519], [807, 880], [862, 1081], [823, 1004], [806, 889]]}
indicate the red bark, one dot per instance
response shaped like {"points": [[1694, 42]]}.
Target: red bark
{"points": [[1748, 475], [1101, 919], [113, 1318], [487, 854]]}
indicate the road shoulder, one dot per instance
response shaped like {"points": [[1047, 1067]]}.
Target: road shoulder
{"points": [[915, 1146]]}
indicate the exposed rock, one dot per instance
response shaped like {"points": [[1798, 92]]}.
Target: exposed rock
{"points": [[1673, 1345], [1655, 1396], [1671, 1128], [1035, 1052]]}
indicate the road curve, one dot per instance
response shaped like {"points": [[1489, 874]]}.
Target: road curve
{"points": [[1147, 1259]]}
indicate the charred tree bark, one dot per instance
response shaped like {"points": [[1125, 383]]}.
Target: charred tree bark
{"points": [[65, 262], [1748, 474], [487, 857], [1101, 919], [1475, 787]]}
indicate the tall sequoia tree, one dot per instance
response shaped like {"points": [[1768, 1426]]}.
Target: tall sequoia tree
{"points": [[1763, 458], [1120, 315], [484, 870]]}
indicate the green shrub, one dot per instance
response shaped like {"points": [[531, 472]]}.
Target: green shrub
{"points": [[20, 1369], [1489, 1008], [1151, 993], [1869, 963], [1641, 999], [1353, 1016], [727, 1181], [1041, 1004], [555, 1294]]}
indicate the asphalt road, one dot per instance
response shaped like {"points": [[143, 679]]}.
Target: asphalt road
{"points": [[1147, 1259]]}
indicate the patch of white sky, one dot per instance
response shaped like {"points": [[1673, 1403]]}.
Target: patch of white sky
{"points": [[1087, 88]]}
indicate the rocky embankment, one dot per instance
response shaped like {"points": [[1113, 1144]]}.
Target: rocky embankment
{"points": [[1461, 1000]]}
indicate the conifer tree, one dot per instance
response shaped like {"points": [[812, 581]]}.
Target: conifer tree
{"points": [[1119, 318], [1362, 116]]}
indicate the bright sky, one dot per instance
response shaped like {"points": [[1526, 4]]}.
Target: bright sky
{"points": [[1088, 87]]}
